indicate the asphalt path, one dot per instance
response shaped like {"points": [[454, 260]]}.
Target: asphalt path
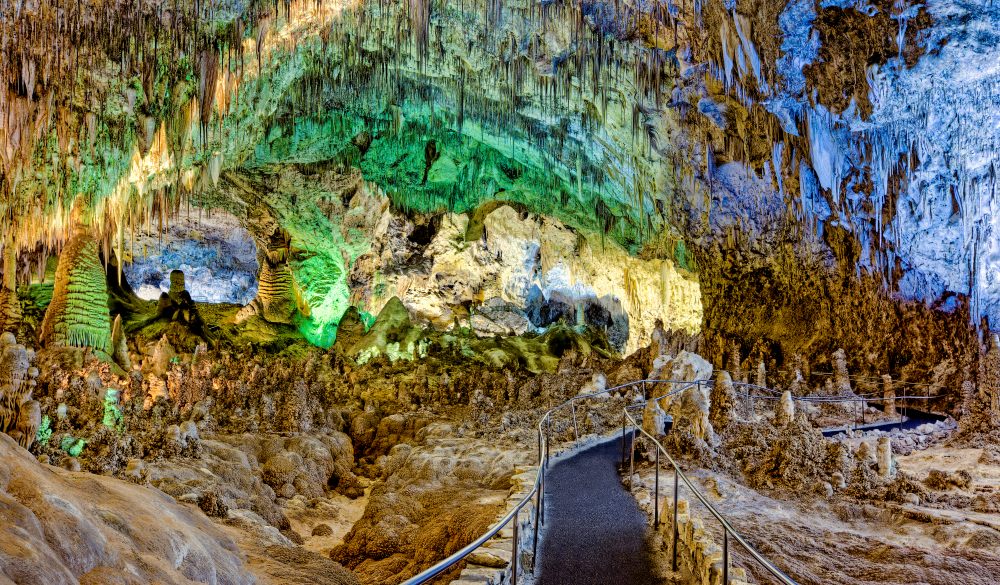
{"points": [[595, 533]]}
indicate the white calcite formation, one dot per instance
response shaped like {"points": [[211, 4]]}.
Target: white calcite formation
{"points": [[685, 367], [937, 123]]}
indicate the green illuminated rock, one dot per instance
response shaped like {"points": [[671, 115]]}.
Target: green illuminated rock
{"points": [[78, 314]]}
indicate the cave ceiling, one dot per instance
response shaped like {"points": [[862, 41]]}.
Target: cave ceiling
{"points": [[862, 134]]}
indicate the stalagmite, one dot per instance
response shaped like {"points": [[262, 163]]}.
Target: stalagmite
{"points": [[119, 345], [866, 454], [736, 361], [276, 294], [177, 286], [278, 299], [660, 345], [10, 307], [761, 375], [654, 419], [78, 315], [993, 375], [796, 385], [20, 415], [889, 395], [886, 468], [841, 378], [722, 401], [989, 385], [785, 413], [29, 418]]}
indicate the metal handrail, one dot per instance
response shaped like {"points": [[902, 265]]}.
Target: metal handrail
{"points": [[774, 395], [728, 530], [537, 489]]}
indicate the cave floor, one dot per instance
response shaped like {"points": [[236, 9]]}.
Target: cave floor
{"points": [[843, 541]]}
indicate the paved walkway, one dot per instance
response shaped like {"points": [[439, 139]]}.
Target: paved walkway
{"points": [[595, 533]]}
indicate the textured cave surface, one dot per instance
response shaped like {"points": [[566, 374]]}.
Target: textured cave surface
{"points": [[313, 270]]}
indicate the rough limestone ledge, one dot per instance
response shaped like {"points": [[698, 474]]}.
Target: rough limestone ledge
{"points": [[490, 563], [698, 553]]}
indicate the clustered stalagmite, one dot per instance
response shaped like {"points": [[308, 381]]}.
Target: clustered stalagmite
{"points": [[20, 414]]}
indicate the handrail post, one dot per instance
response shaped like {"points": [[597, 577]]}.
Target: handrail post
{"points": [[656, 493], [541, 498], [513, 553], [576, 429], [623, 437], [673, 546], [725, 556], [631, 460], [643, 390], [534, 543], [539, 445], [548, 434]]}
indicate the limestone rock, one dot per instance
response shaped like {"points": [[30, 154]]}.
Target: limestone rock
{"points": [[54, 531], [505, 318], [536, 264], [686, 367], [598, 383]]}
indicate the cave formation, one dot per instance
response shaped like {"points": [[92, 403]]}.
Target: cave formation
{"points": [[325, 290]]}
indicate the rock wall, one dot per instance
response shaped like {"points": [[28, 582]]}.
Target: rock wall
{"points": [[505, 271]]}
